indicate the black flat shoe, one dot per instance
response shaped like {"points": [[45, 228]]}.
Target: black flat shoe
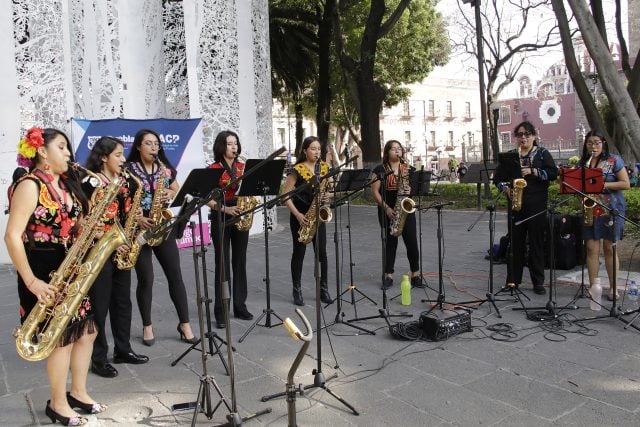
{"points": [[244, 315], [105, 370], [388, 283], [184, 338], [65, 421], [220, 324], [539, 290], [130, 357], [91, 408], [417, 283]]}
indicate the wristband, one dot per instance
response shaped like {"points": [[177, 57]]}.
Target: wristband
{"points": [[31, 282]]}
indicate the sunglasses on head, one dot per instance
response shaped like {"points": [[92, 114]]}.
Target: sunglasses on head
{"points": [[523, 134]]}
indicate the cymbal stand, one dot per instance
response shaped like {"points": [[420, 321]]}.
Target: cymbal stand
{"points": [[383, 313], [441, 299], [319, 380], [352, 288], [267, 312]]}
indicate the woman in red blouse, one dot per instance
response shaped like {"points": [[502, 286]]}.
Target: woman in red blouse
{"points": [[226, 150]]}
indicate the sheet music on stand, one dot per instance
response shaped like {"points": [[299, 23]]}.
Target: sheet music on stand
{"points": [[265, 181], [421, 183], [479, 173], [352, 179]]}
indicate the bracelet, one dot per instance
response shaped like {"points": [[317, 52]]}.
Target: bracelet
{"points": [[31, 283]]}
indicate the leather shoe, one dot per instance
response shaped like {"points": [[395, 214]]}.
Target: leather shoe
{"points": [[539, 290], [131, 357], [220, 324], [244, 315], [104, 369]]}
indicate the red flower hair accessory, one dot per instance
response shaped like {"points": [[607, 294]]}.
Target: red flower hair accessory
{"points": [[28, 146]]}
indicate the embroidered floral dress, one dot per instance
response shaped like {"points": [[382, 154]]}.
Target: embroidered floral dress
{"points": [[149, 183], [49, 233]]}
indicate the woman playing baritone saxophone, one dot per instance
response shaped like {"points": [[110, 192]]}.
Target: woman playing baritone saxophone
{"points": [[308, 165], [111, 291], [538, 169], [392, 161], [226, 150], [143, 161], [595, 154], [46, 205]]}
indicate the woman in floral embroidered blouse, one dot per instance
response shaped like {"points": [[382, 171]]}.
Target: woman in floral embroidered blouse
{"points": [[46, 205], [595, 154], [143, 160]]}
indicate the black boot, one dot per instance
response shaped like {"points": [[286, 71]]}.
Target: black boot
{"points": [[297, 294], [324, 294]]}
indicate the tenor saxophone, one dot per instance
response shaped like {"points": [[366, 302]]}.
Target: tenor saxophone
{"points": [[73, 278], [127, 260], [404, 206], [516, 194], [159, 211]]}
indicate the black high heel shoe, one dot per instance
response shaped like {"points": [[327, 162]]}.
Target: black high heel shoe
{"points": [[65, 421], [91, 408], [184, 338], [150, 341]]}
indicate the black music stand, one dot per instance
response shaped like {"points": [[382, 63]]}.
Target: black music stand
{"points": [[264, 182], [352, 181], [420, 185], [199, 184], [479, 173]]}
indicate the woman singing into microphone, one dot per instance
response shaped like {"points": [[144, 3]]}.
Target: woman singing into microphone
{"points": [[308, 165], [226, 150], [145, 160], [595, 154], [393, 170]]}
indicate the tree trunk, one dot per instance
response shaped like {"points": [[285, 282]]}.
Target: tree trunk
{"points": [[584, 95], [323, 110], [299, 129], [611, 82], [370, 106]]}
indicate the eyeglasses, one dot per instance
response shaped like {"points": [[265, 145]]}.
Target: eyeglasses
{"points": [[592, 143], [523, 134]]}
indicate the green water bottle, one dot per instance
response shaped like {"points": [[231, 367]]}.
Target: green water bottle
{"points": [[405, 288]]}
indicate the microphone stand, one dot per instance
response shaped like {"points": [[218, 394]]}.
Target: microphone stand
{"points": [[489, 296], [204, 392], [384, 312], [319, 380]]}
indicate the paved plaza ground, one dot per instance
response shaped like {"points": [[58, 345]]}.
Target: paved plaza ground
{"points": [[508, 371]]}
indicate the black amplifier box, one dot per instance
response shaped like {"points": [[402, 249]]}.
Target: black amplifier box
{"points": [[439, 325]]}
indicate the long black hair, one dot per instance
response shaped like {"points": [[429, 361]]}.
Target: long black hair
{"points": [[387, 148], [70, 178], [134, 153], [605, 146], [220, 145], [102, 147], [302, 156]]}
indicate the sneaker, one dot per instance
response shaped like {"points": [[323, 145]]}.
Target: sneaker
{"points": [[388, 283], [416, 282]]}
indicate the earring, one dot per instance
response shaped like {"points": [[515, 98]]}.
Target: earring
{"points": [[46, 168]]}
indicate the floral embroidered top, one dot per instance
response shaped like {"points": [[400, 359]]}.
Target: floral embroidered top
{"points": [[53, 220], [302, 200], [119, 208], [230, 173], [149, 183]]}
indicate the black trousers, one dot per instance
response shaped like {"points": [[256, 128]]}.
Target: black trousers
{"points": [[408, 237], [299, 249], [534, 230], [111, 294], [235, 267], [169, 258]]}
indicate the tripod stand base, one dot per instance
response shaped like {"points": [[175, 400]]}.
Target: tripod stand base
{"points": [[212, 337], [340, 321], [384, 314], [267, 312], [319, 381]]}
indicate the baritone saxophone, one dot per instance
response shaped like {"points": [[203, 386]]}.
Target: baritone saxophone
{"points": [[40, 333]]}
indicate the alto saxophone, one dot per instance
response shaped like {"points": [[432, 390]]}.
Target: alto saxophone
{"points": [[307, 231], [404, 206], [159, 211], [73, 278], [127, 260], [246, 203], [516, 194]]}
